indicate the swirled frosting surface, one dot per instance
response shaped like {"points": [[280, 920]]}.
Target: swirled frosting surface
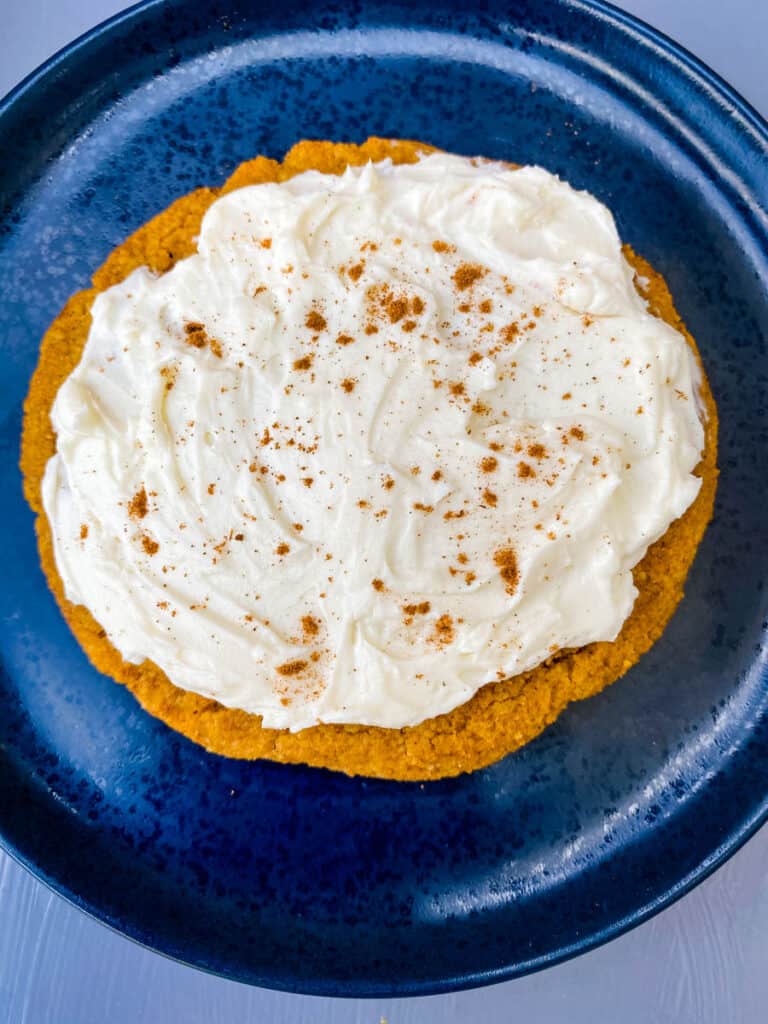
{"points": [[385, 438]]}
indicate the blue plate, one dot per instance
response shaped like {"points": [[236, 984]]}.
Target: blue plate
{"points": [[303, 879]]}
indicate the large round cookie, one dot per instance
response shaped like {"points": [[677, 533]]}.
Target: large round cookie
{"points": [[499, 718]]}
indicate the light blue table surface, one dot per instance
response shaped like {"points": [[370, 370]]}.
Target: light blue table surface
{"points": [[702, 961]]}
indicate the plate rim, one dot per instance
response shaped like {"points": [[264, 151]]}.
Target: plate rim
{"points": [[717, 86]]}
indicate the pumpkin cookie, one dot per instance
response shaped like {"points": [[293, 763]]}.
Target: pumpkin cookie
{"points": [[424, 608]]}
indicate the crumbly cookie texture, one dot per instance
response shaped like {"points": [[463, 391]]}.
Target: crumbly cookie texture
{"points": [[502, 716]]}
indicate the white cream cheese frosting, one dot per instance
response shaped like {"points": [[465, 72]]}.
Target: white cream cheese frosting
{"points": [[385, 438]]}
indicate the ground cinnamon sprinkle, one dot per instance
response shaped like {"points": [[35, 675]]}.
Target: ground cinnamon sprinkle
{"points": [[83, 531], [377, 584], [467, 274], [383, 302], [577, 432], [506, 561], [444, 631], [138, 506], [150, 546], [304, 363], [344, 339], [282, 549], [510, 332], [356, 271], [537, 451], [310, 625], [397, 309], [489, 464], [439, 246], [315, 321], [292, 668], [197, 337], [348, 384], [525, 471], [417, 609], [489, 498]]}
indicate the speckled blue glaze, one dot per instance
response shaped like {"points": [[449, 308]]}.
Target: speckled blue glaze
{"points": [[304, 879]]}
